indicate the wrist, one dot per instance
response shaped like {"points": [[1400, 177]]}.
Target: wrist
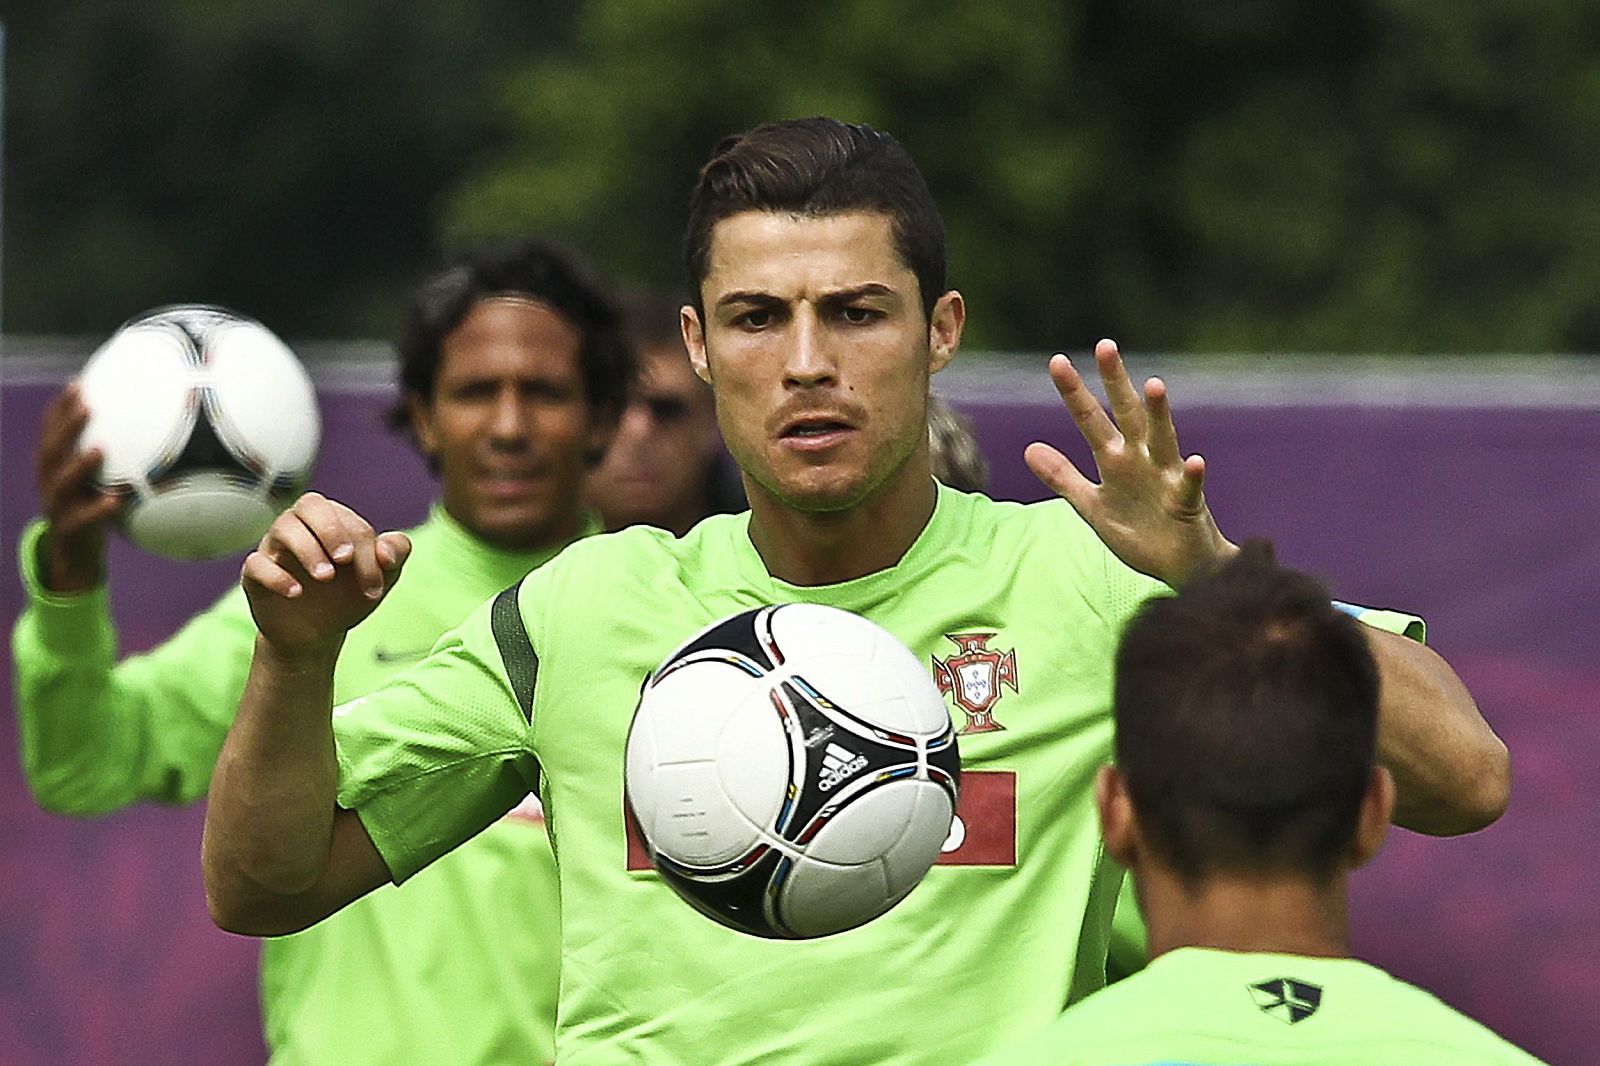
{"points": [[68, 568], [308, 659]]}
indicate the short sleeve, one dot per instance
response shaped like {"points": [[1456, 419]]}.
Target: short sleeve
{"points": [[1399, 623], [442, 750]]}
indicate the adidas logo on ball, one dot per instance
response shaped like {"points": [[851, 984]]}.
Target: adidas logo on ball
{"points": [[838, 765]]}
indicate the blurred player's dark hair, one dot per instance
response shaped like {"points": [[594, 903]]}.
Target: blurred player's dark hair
{"points": [[523, 267], [953, 451], [1246, 710], [818, 167]]}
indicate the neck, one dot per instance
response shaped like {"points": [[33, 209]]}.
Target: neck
{"points": [[1246, 913], [827, 547], [545, 539]]}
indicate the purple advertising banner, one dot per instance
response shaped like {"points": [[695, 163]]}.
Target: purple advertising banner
{"points": [[1480, 512]]}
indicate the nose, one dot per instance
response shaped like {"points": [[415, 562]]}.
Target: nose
{"points": [[809, 360], [508, 420]]}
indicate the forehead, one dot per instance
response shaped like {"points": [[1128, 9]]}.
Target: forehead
{"points": [[794, 256], [509, 335], [666, 367]]}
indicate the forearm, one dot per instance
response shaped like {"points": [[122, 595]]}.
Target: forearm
{"points": [[269, 821], [1452, 773]]}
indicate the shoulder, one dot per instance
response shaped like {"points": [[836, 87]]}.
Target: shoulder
{"points": [[980, 518], [612, 568], [1421, 1016]]}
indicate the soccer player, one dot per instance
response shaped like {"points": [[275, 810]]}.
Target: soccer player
{"points": [[513, 369], [1245, 790], [953, 453], [818, 311], [666, 466]]}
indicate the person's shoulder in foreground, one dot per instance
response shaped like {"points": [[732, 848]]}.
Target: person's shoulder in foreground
{"points": [[1246, 789], [1204, 1006]]}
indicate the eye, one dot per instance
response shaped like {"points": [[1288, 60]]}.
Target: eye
{"points": [[756, 318], [667, 409], [860, 316]]}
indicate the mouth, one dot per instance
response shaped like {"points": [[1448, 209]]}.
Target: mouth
{"points": [[814, 432], [509, 483]]}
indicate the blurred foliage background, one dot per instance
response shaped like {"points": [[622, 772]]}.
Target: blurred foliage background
{"points": [[1310, 175]]}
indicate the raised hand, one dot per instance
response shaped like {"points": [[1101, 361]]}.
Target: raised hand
{"points": [[76, 509], [1149, 507], [319, 570]]}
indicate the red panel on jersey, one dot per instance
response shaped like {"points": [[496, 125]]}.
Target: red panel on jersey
{"points": [[984, 833]]}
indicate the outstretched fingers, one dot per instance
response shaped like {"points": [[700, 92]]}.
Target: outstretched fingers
{"points": [[1191, 486], [1124, 398], [1061, 475], [1162, 436], [1091, 419]]}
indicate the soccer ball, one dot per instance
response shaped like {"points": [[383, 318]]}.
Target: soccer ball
{"points": [[792, 771], [208, 424]]}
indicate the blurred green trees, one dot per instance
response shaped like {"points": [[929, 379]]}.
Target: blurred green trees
{"points": [[1266, 174]]}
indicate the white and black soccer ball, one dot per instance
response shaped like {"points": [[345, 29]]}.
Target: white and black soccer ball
{"points": [[208, 424], [792, 771]]}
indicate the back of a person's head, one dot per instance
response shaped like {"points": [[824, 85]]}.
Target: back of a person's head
{"points": [[953, 450], [530, 269], [817, 167], [1246, 710]]}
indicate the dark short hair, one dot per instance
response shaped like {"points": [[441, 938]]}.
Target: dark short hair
{"points": [[1246, 710], [523, 267], [816, 167], [953, 449]]}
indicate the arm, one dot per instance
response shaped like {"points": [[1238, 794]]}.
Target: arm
{"points": [[277, 854], [1451, 772], [97, 735]]}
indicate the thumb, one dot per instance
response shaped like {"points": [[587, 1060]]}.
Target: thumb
{"points": [[393, 549]]}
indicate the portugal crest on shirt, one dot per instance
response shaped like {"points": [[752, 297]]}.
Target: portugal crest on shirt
{"points": [[974, 677]]}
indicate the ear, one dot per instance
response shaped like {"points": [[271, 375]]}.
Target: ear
{"points": [[694, 340], [1372, 823], [422, 423], [944, 330], [1118, 824], [598, 437]]}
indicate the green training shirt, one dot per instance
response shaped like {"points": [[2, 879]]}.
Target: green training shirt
{"points": [[1015, 609], [460, 966], [1201, 1007]]}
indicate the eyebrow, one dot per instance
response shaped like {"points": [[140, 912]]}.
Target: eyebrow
{"points": [[759, 298]]}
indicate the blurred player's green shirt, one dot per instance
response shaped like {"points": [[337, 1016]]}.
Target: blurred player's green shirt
{"points": [[1200, 1007], [459, 967], [1015, 609]]}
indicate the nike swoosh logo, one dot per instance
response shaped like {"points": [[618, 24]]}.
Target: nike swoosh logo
{"points": [[384, 656]]}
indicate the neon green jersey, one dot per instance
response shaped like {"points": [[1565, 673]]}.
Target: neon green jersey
{"points": [[461, 967], [1199, 1007], [1016, 611]]}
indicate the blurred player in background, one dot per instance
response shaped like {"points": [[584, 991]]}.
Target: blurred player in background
{"points": [[666, 466], [819, 311], [1245, 791], [954, 456], [512, 368]]}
